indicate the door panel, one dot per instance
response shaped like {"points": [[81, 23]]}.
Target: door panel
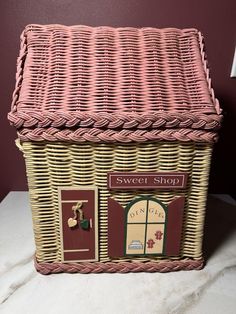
{"points": [[78, 244]]}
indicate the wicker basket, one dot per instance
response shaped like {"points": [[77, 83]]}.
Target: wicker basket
{"points": [[117, 127]]}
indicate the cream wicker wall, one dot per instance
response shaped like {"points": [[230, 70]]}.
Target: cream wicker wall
{"points": [[54, 164]]}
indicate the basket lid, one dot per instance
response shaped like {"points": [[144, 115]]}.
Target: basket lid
{"points": [[84, 83]]}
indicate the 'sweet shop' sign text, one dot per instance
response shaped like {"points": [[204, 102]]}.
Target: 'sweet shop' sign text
{"points": [[147, 180]]}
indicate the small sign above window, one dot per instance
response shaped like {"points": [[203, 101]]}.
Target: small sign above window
{"points": [[147, 180]]}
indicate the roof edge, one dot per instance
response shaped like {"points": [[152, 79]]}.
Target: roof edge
{"points": [[19, 70], [31, 26], [207, 73]]}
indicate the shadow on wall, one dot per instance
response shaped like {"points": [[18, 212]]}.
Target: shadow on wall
{"points": [[223, 169], [220, 223]]}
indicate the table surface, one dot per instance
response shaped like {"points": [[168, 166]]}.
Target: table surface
{"points": [[23, 290]]}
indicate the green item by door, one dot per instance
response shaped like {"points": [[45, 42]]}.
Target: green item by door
{"points": [[84, 224]]}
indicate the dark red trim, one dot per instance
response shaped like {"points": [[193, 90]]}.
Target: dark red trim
{"points": [[174, 226], [116, 227]]}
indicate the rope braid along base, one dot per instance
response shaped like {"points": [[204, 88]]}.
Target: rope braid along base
{"points": [[121, 267]]}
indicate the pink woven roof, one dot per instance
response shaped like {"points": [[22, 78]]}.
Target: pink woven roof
{"points": [[112, 78]]}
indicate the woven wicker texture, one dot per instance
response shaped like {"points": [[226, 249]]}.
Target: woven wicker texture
{"points": [[106, 78], [51, 165]]}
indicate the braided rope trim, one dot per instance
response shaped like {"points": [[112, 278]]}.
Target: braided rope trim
{"points": [[118, 267], [19, 70], [111, 136], [114, 121]]}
